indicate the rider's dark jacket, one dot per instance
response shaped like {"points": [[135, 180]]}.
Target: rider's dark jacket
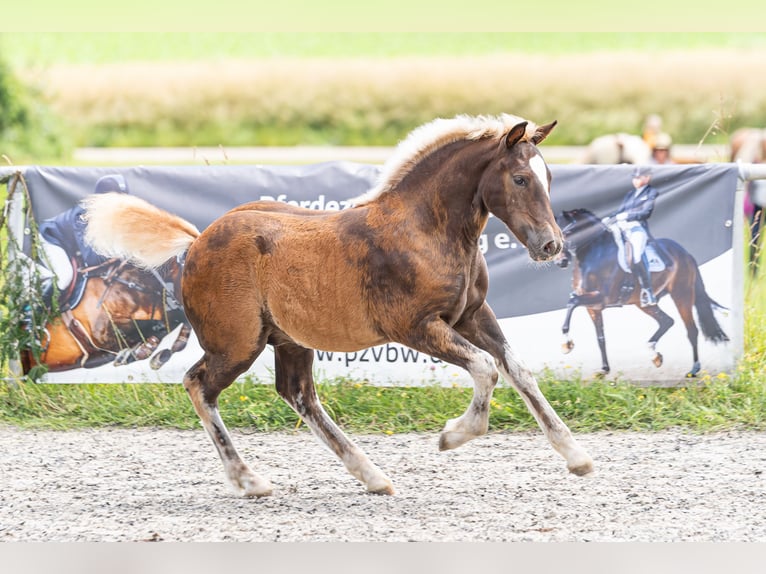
{"points": [[638, 207]]}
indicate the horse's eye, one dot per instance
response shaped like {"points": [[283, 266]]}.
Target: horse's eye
{"points": [[518, 180]]}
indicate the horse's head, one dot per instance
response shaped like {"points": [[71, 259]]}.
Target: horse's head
{"points": [[579, 226], [516, 189]]}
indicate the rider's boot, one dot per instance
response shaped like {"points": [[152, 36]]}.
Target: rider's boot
{"points": [[641, 269]]}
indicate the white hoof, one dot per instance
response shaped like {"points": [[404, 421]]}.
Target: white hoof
{"points": [[250, 485], [452, 439], [581, 465], [456, 432], [381, 485]]}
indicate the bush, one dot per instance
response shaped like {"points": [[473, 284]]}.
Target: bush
{"points": [[28, 130]]}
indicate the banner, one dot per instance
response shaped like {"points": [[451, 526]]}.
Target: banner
{"points": [[693, 217]]}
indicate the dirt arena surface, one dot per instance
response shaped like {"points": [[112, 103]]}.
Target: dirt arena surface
{"points": [[167, 485]]}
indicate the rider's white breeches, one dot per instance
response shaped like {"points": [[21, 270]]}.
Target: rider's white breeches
{"points": [[636, 236]]}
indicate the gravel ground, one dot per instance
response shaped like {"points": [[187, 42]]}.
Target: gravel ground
{"points": [[167, 485]]}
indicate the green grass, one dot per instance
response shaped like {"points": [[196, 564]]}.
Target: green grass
{"points": [[44, 49], [719, 404]]}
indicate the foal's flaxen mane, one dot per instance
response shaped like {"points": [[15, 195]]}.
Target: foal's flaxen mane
{"points": [[434, 135]]}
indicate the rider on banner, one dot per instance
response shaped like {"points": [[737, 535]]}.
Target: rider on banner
{"points": [[629, 225]]}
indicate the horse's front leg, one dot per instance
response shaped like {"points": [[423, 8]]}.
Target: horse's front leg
{"points": [[568, 344], [436, 338], [295, 384], [483, 330], [575, 300]]}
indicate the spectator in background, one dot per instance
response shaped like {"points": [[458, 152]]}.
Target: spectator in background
{"points": [[661, 149], [652, 128]]}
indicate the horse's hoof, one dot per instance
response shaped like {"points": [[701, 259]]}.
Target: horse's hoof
{"points": [[257, 490], [693, 373], [383, 486], [460, 430], [657, 360], [123, 358], [452, 439], [160, 359], [582, 468], [567, 347], [250, 485]]}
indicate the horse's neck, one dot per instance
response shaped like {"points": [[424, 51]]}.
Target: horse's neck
{"points": [[440, 192], [599, 238]]}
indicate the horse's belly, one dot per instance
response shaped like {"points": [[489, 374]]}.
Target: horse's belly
{"points": [[319, 322]]}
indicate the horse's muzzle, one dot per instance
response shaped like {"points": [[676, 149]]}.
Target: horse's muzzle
{"points": [[547, 251]]}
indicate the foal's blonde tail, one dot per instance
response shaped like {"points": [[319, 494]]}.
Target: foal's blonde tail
{"points": [[127, 227]]}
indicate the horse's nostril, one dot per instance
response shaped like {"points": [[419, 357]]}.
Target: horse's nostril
{"points": [[551, 248]]}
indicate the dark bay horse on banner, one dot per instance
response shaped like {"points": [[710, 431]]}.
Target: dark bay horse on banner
{"points": [[119, 314], [403, 265], [599, 282]]}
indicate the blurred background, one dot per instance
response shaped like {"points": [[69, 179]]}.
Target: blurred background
{"points": [[84, 98]]}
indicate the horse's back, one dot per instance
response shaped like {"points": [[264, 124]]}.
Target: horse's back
{"points": [[748, 145], [285, 268], [615, 149]]}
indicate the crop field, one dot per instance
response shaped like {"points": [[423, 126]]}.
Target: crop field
{"points": [[372, 89]]}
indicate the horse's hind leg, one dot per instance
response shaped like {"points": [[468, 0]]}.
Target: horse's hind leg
{"points": [[684, 305], [295, 384], [483, 330], [204, 382], [597, 316]]}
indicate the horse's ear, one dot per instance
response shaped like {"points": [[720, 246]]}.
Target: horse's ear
{"points": [[542, 132], [517, 132]]}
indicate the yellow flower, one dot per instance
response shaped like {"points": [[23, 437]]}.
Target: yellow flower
{"points": [[242, 398], [388, 432]]}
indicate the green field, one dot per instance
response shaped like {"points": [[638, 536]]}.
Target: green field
{"points": [[44, 49], [286, 89]]}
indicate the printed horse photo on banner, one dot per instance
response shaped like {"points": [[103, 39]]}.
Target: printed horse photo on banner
{"points": [[617, 262], [100, 310], [402, 265]]}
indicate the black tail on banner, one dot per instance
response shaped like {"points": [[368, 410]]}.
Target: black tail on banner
{"points": [[705, 307]]}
